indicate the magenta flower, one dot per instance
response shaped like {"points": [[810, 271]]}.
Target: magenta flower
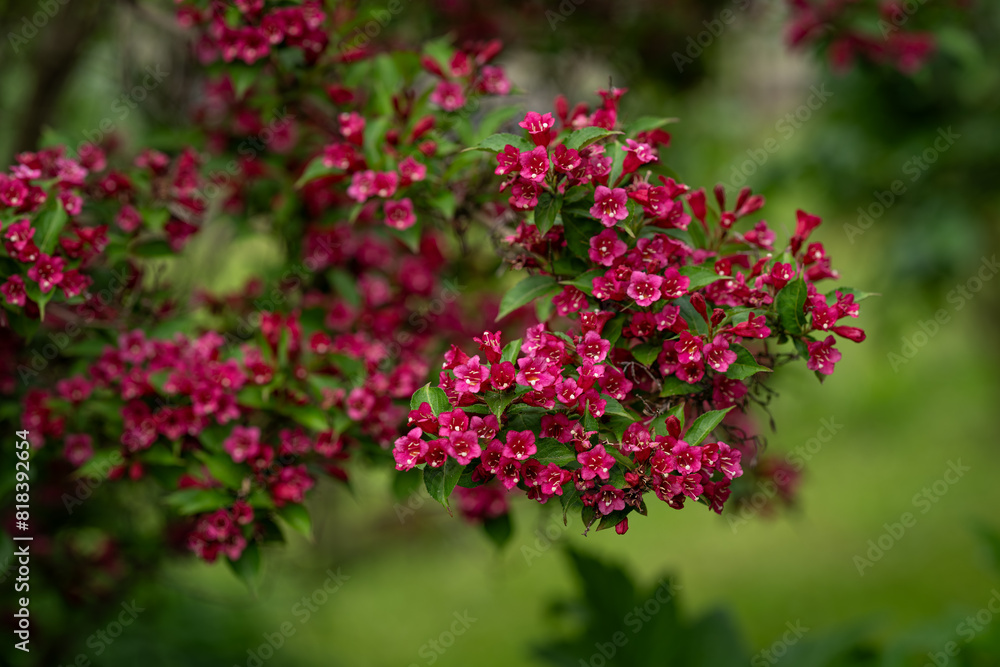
{"points": [[644, 288], [524, 195], [718, 355], [686, 459], [385, 183], [448, 96], [409, 449], [610, 499], [509, 473], [411, 171], [534, 373], [47, 272], [551, 478], [399, 214], [470, 375], [539, 127], [534, 164], [566, 160], [13, 291], [463, 446], [520, 445], [593, 347], [508, 160], [502, 375], [610, 206], [606, 247], [674, 284], [754, 327], [362, 186], [291, 485], [688, 348], [822, 356], [79, 448], [243, 443], [20, 233], [596, 462], [493, 81]]}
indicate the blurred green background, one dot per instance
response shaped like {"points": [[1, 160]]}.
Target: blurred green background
{"points": [[409, 567]]}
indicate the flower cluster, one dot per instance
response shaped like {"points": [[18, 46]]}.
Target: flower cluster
{"points": [[661, 314], [832, 23], [55, 212]]}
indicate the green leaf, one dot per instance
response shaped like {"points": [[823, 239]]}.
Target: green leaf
{"points": [[48, 225], [704, 425], [585, 136], [859, 296], [494, 119], [529, 289], [297, 516], [700, 276], [551, 450], [674, 386], [213, 437], [745, 364], [646, 353], [409, 236], [345, 285], [310, 416], [248, 567], [315, 169], [585, 281], [511, 350], [223, 468], [613, 329], [790, 304], [152, 248], [616, 165], [546, 211], [614, 408], [498, 142], [435, 396], [578, 230], [440, 482], [498, 401], [196, 501], [499, 529], [445, 202], [647, 123]]}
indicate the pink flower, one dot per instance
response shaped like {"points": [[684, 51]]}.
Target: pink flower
{"points": [[718, 355], [243, 443], [606, 247], [674, 284], [823, 355], [566, 160], [593, 347], [524, 195], [291, 485], [79, 449], [534, 164], [448, 96], [551, 478], [362, 186], [463, 446], [688, 348], [385, 183], [13, 290], [520, 445], [47, 272], [128, 219], [411, 171], [596, 462], [508, 160], [502, 375], [609, 205], [471, 376], [644, 288], [754, 327], [538, 127], [493, 81], [399, 214], [610, 499], [409, 449], [534, 373]]}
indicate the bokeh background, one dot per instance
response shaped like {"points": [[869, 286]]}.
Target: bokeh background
{"points": [[918, 398]]}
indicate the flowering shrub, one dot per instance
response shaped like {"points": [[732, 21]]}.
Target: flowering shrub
{"points": [[660, 315], [655, 315]]}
